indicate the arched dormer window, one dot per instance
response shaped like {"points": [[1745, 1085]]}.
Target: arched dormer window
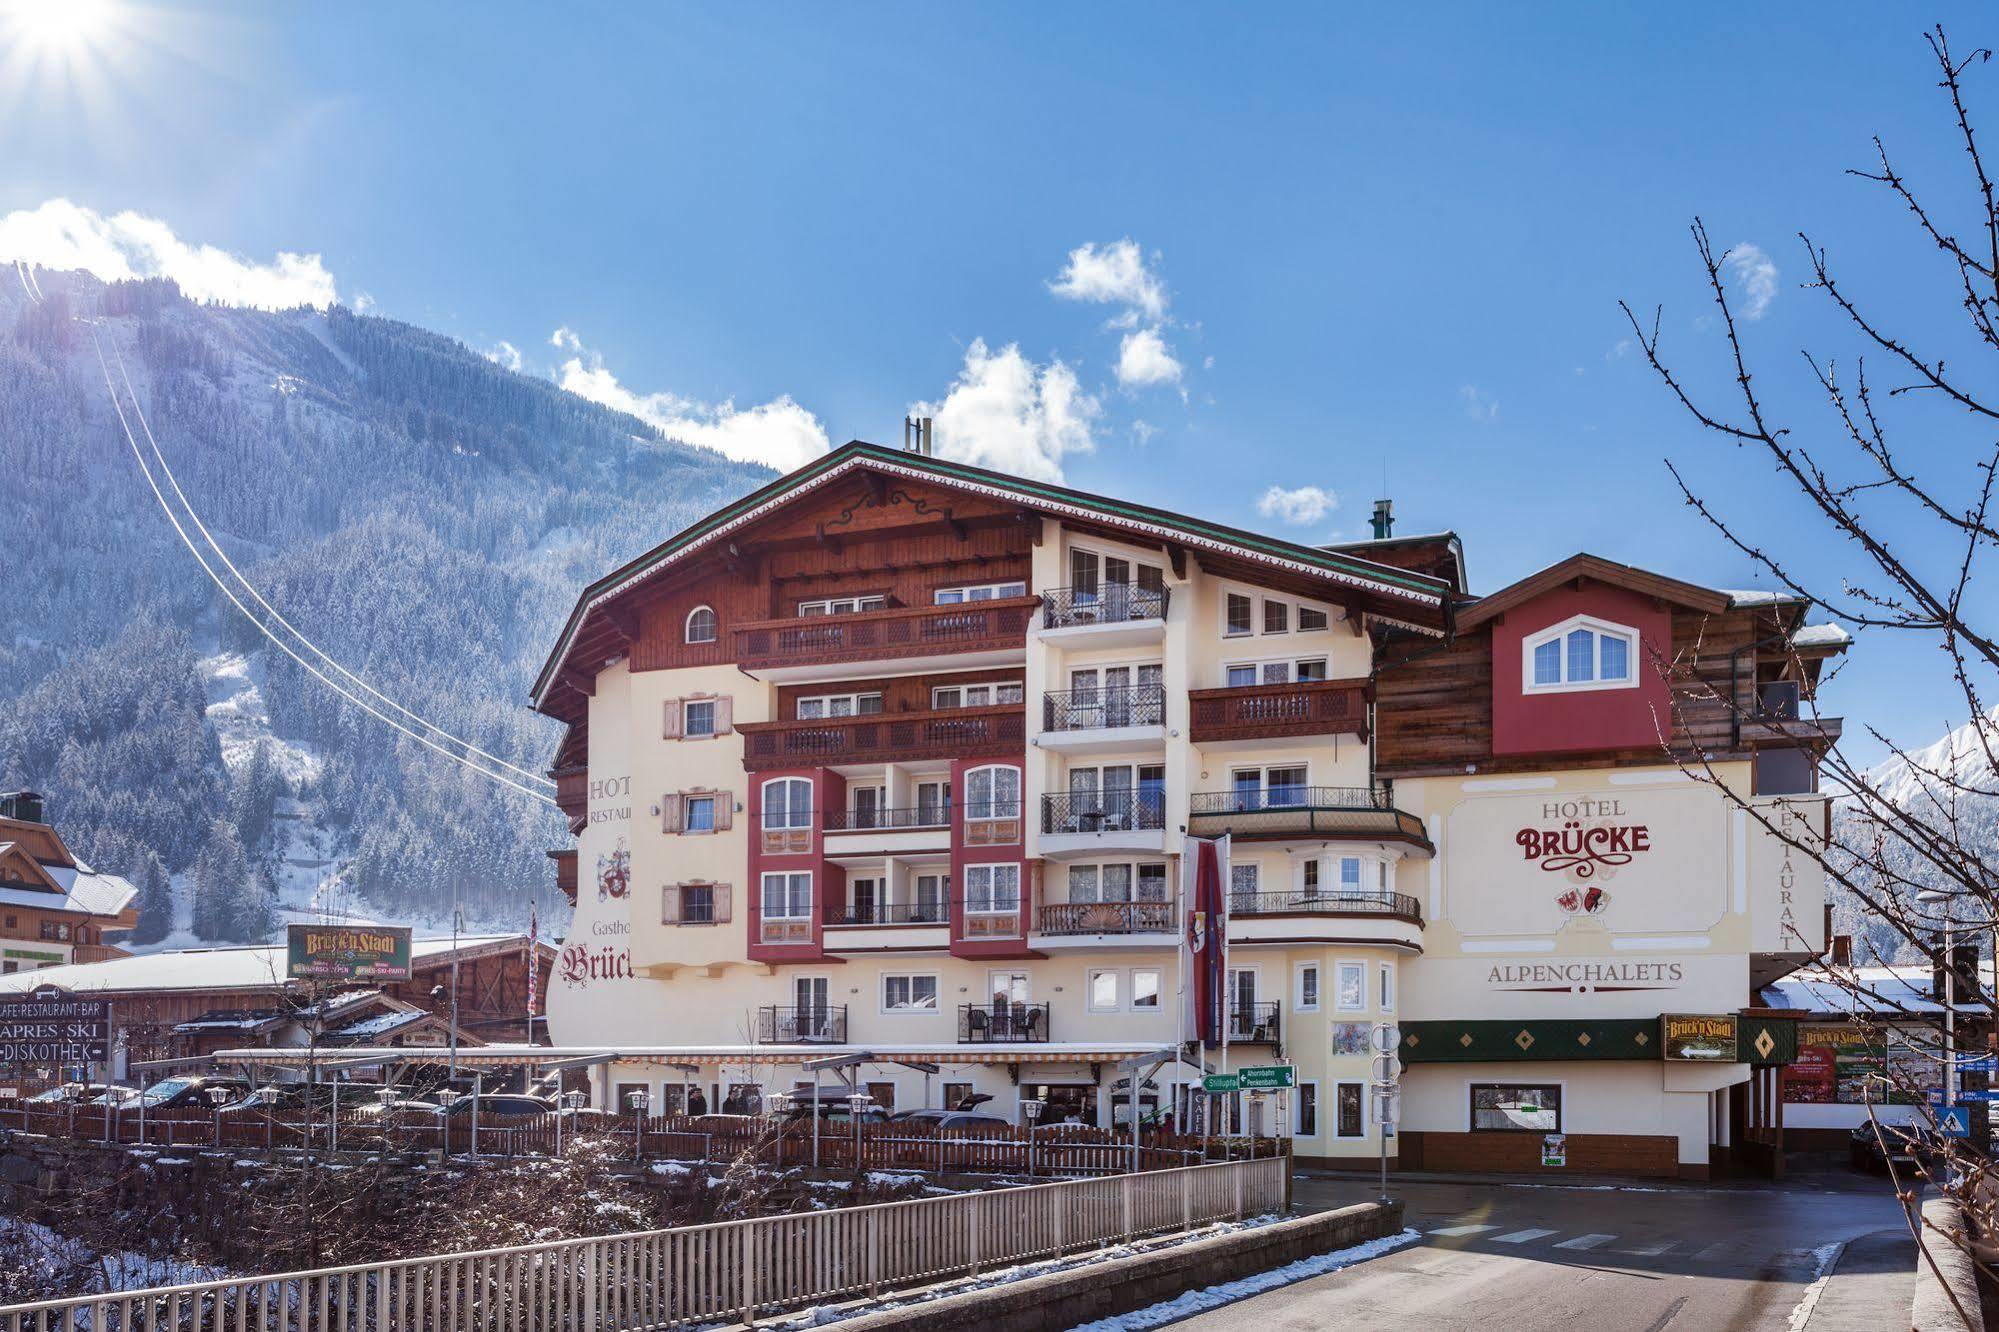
{"points": [[1581, 652], [701, 625]]}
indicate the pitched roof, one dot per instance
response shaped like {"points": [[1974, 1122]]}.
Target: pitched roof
{"points": [[254, 967], [1583, 565], [1422, 594]]}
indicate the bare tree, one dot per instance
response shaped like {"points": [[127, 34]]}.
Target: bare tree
{"points": [[1915, 537]]}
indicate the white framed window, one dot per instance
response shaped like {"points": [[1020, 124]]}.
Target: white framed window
{"points": [[1288, 670], [1350, 987], [953, 596], [1269, 788], [1350, 874], [1238, 615], [1145, 986], [787, 895], [1305, 1122], [1386, 995], [842, 605], [977, 695], [909, 993], [1308, 987], [698, 718], [701, 626], [992, 890], [1103, 990], [1311, 620], [992, 793], [812, 707], [1580, 653], [787, 803], [698, 814], [1276, 617], [1309, 878]]}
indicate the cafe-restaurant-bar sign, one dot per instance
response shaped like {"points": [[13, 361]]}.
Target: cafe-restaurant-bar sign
{"points": [[1700, 1038], [348, 952]]}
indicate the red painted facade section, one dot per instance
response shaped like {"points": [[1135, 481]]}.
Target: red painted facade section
{"points": [[1014, 853], [826, 787], [1579, 721]]}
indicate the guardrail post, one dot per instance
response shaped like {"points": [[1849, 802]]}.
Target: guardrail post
{"points": [[874, 1252], [1236, 1177], [1126, 1184], [1061, 1220], [972, 1225], [1186, 1182], [748, 1250]]}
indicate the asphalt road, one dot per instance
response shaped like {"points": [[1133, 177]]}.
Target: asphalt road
{"points": [[1518, 1257]]}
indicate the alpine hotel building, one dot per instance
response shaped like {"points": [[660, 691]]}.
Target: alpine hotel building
{"points": [[897, 757]]}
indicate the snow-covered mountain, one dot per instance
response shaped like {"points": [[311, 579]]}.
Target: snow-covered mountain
{"points": [[425, 515], [1960, 759]]}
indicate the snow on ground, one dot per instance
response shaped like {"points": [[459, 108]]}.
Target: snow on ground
{"points": [[1214, 1297], [114, 1271], [1823, 1258], [236, 712]]}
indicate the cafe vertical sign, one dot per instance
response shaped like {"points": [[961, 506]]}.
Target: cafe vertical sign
{"points": [[348, 952]]}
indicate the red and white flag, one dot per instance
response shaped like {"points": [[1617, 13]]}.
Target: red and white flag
{"points": [[1204, 944], [534, 964]]}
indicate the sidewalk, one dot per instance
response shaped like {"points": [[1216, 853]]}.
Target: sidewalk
{"points": [[1869, 1287]]}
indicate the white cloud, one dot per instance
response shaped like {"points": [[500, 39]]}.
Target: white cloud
{"points": [[1478, 406], [1143, 432], [1305, 504], [63, 235], [1114, 275], [779, 433], [1755, 275], [1005, 412], [1145, 359], [504, 353]]}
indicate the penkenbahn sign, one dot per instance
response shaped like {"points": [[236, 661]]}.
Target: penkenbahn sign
{"points": [[49, 1026]]}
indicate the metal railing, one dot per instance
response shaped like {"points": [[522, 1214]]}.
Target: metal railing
{"points": [[1105, 918], [889, 913], [1095, 709], [1269, 798], [1254, 1023], [1103, 811], [1104, 603], [1326, 904], [868, 820], [730, 1271], [783, 1024], [992, 1024]]}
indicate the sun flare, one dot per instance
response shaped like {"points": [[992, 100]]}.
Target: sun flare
{"points": [[57, 28]]}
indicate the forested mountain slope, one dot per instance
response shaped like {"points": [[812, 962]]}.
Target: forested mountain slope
{"points": [[426, 516]]}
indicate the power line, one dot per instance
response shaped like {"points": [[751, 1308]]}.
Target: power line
{"points": [[275, 614], [332, 684]]}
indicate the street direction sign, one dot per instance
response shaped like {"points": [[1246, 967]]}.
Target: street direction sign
{"points": [[1218, 1083], [1268, 1077]]}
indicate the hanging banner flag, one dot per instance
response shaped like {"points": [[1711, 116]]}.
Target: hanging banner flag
{"points": [[1204, 943], [534, 961]]}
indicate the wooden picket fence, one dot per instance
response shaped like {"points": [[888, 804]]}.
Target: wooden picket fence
{"points": [[732, 1272], [1061, 1150]]}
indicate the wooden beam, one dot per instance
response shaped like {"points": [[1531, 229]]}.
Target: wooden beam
{"points": [[582, 684], [624, 622], [1176, 555]]}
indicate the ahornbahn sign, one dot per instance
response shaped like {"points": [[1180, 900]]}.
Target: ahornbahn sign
{"points": [[48, 1026]]}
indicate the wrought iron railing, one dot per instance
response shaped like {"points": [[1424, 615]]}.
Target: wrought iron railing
{"points": [[993, 1024], [1095, 709], [1104, 603], [1099, 811], [1105, 918], [1267, 798], [782, 1024], [1255, 1023], [889, 913], [867, 820], [1326, 904]]}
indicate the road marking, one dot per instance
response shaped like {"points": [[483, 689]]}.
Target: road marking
{"points": [[1520, 1236], [1651, 1250], [1585, 1241], [1462, 1230], [1714, 1251]]}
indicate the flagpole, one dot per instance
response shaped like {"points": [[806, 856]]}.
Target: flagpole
{"points": [[1180, 995], [1223, 847]]}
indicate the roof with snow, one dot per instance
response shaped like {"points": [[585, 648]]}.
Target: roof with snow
{"points": [[1879, 991], [1821, 636], [252, 967]]}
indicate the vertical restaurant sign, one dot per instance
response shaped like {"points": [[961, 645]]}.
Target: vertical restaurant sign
{"points": [[1697, 1037], [348, 952]]}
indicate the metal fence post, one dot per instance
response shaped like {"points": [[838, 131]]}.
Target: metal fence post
{"points": [[1186, 1183], [748, 1250], [972, 1231], [1235, 1177], [1126, 1185], [874, 1252]]}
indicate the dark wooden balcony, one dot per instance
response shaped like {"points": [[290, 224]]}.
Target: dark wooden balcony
{"points": [[572, 795], [1358, 813], [1262, 712], [999, 731], [998, 1024], [565, 872], [1059, 918], [1401, 906], [792, 1025], [884, 635]]}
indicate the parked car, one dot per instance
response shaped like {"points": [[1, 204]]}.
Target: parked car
{"points": [[112, 1094], [835, 1111], [950, 1119], [194, 1093], [498, 1106], [75, 1093], [283, 1096], [1866, 1150]]}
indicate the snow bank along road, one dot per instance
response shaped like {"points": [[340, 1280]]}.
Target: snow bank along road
{"points": [[1525, 1257]]}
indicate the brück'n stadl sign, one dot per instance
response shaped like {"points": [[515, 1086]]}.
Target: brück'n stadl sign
{"points": [[49, 1027], [348, 952]]}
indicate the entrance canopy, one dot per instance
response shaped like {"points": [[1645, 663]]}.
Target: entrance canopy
{"points": [[512, 1056]]}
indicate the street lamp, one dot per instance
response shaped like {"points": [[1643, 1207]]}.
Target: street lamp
{"points": [[636, 1102], [856, 1102], [1032, 1110]]}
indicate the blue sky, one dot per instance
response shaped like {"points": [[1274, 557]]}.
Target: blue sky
{"points": [[1377, 251]]}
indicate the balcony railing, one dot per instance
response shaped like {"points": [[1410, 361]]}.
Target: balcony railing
{"points": [[886, 737], [906, 631], [993, 1024], [889, 913], [1284, 798], [1105, 918], [792, 1025], [1096, 709], [1098, 811], [1254, 1024], [1356, 812], [1106, 603], [1400, 905], [1256, 712], [874, 820]]}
